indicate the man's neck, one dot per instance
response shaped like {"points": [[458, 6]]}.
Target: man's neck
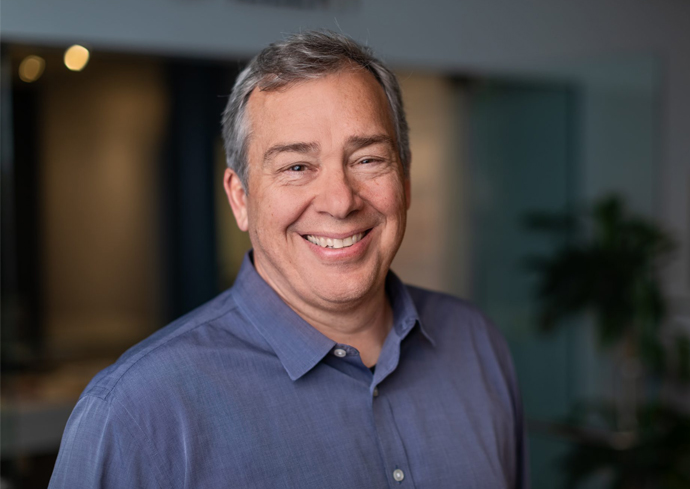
{"points": [[364, 327], [363, 324]]}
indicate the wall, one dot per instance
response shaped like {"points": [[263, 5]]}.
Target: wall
{"points": [[496, 37], [438, 256], [100, 261]]}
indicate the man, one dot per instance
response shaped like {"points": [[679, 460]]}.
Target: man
{"points": [[319, 368]]}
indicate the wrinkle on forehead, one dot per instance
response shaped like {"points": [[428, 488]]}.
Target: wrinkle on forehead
{"points": [[260, 98], [275, 121]]}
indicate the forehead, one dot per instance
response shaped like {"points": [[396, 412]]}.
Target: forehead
{"points": [[348, 101]]}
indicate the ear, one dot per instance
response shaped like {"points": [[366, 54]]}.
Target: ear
{"points": [[237, 197]]}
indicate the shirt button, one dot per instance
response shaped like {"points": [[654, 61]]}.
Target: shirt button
{"points": [[398, 475], [339, 352], [376, 392]]}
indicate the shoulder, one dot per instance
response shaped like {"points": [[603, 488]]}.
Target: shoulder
{"points": [[145, 399], [430, 302], [476, 352], [454, 321], [101, 447], [164, 355], [448, 310]]}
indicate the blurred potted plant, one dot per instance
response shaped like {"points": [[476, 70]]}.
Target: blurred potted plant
{"points": [[609, 267]]}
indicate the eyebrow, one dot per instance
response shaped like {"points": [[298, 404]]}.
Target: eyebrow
{"points": [[353, 143], [358, 142], [290, 148]]}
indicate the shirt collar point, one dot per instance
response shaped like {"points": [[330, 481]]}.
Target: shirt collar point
{"points": [[297, 369], [427, 334]]}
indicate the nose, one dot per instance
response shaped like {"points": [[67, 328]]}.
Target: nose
{"points": [[337, 194]]}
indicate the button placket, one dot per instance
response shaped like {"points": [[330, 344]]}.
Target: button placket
{"points": [[393, 451]]}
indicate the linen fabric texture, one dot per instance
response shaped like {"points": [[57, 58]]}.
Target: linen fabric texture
{"points": [[243, 393]]}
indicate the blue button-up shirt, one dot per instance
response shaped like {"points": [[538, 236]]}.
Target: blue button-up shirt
{"points": [[243, 393]]}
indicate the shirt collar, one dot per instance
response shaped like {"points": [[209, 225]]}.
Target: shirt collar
{"points": [[298, 345], [405, 314]]}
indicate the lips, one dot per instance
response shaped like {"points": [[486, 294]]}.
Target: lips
{"points": [[335, 243]]}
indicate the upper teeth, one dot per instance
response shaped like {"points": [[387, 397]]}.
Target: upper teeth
{"points": [[334, 242]]}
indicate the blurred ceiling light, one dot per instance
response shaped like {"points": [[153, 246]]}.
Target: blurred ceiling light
{"points": [[76, 57], [31, 68]]}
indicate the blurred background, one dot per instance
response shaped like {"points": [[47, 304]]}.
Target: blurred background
{"points": [[550, 180]]}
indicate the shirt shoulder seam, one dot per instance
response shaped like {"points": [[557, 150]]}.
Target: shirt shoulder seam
{"points": [[105, 392]]}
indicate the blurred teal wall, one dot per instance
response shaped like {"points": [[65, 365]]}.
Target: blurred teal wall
{"points": [[554, 146]]}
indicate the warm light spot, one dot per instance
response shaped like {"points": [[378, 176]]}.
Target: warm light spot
{"points": [[31, 68], [76, 57]]}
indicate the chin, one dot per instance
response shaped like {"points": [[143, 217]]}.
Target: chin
{"points": [[346, 291]]}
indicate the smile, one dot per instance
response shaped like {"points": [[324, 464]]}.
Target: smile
{"points": [[335, 242]]}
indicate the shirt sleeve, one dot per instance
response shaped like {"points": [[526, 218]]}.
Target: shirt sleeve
{"points": [[523, 475], [102, 448]]}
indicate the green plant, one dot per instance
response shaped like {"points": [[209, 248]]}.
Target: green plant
{"points": [[608, 266], [611, 270], [656, 456]]}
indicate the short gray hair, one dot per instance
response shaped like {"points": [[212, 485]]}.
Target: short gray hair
{"points": [[304, 56]]}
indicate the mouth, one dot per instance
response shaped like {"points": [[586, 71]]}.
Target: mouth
{"points": [[335, 243]]}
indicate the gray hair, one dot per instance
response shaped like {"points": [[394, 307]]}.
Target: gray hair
{"points": [[304, 56]]}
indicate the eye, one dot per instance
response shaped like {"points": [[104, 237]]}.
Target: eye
{"points": [[296, 168], [368, 161]]}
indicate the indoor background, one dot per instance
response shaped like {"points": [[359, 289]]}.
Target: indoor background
{"points": [[114, 221]]}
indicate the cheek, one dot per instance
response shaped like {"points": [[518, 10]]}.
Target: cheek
{"points": [[388, 199], [273, 211]]}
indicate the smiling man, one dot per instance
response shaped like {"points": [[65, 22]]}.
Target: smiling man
{"points": [[325, 201], [319, 368]]}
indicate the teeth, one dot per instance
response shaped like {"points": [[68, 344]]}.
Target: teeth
{"points": [[334, 242]]}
